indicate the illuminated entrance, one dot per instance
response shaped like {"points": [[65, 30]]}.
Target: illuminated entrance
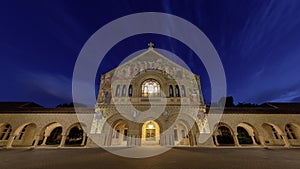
{"points": [[150, 133]]}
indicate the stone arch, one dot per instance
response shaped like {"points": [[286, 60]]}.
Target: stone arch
{"points": [[151, 74], [177, 91], [247, 134], [224, 135], [24, 135], [124, 91], [75, 135], [181, 133], [108, 130], [118, 90], [171, 91], [119, 133], [51, 134], [150, 87], [171, 122], [151, 133], [272, 134], [293, 133], [130, 90]]}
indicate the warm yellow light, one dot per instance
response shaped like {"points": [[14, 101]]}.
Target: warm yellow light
{"points": [[150, 126]]}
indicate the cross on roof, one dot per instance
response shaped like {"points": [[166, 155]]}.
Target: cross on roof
{"points": [[150, 45]]}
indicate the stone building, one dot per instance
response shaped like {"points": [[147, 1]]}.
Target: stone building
{"points": [[149, 100]]}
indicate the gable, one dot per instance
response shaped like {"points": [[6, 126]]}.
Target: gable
{"points": [[150, 59]]}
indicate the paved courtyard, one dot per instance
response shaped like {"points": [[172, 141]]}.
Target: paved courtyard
{"points": [[176, 158]]}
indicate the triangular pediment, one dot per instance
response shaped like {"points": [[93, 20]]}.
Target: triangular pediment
{"points": [[150, 59]]}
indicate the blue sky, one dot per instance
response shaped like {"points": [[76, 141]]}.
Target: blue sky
{"points": [[258, 43]]}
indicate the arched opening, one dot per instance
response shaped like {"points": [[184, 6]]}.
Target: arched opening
{"points": [[55, 136], [130, 91], [292, 133], [150, 133], [5, 130], [177, 93], [124, 91], [25, 135], [272, 135], [247, 134], [119, 134], [51, 134], [223, 135], [171, 93], [243, 136], [183, 91], [75, 136], [117, 91], [181, 135], [150, 87]]}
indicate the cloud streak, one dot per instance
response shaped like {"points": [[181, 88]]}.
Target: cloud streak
{"points": [[52, 85]]}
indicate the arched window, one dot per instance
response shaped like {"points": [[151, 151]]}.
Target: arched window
{"points": [[171, 91], [124, 90], [183, 91], [22, 133], [177, 94], [5, 132], [130, 91], [290, 132], [117, 90], [150, 87]]}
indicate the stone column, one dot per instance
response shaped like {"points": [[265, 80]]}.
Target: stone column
{"points": [[98, 139], [262, 140], [216, 140], [162, 139], [128, 140], [253, 140], [286, 141], [63, 140], [36, 141], [172, 139], [44, 140], [167, 141], [236, 140], [195, 139], [108, 139], [83, 139], [139, 140], [10, 141], [133, 140]]}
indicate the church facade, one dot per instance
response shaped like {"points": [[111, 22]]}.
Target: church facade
{"points": [[149, 101]]}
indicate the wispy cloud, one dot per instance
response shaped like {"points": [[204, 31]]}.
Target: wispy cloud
{"points": [[55, 85], [283, 94]]}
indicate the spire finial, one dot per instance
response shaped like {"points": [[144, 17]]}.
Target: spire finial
{"points": [[150, 45]]}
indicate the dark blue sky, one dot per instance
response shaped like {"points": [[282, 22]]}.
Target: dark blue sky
{"points": [[258, 43]]}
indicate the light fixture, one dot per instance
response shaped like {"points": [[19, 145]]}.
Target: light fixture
{"points": [[150, 125]]}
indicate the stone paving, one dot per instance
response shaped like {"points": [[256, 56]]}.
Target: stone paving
{"points": [[176, 158]]}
